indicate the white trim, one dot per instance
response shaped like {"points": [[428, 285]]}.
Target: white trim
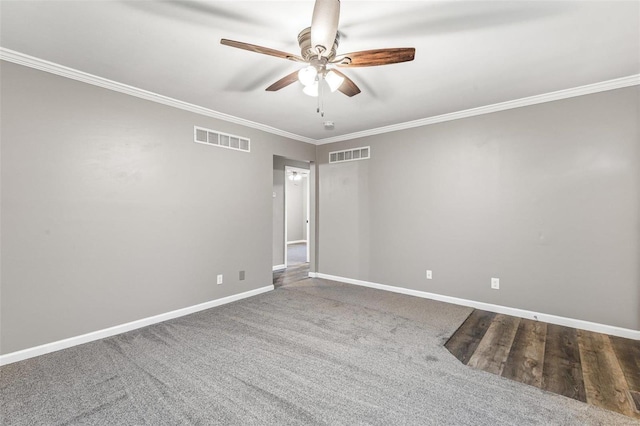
{"points": [[537, 316], [53, 68], [308, 218], [286, 225], [313, 275], [118, 329], [279, 267], [305, 173], [617, 83], [297, 242]]}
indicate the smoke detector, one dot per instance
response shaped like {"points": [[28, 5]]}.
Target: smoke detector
{"points": [[328, 125]]}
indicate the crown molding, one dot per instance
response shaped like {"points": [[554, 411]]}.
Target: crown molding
{"points": [[618, 83], [53, 68]]}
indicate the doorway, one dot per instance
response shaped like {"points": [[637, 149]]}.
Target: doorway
{"points": [[296, 216], [293, 220]]}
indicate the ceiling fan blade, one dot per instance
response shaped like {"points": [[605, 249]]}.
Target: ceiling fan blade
{"points": [[260, 49], [372, 58], [283, 82], [348, 87], [324, 25]]}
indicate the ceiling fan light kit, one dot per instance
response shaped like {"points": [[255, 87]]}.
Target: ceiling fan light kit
{"points": [[333, 80], [311, 79], [308, 75], [311, 90], [318, 48], [296, 176]]}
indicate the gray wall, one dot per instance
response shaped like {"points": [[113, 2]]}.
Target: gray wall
{"points": [[279, 203], [110, 212], [544, 197]]}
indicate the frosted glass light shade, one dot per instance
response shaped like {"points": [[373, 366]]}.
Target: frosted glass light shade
{"points": [[333, 80], [324, 24], [296, 176], [311, 90], [307, 76]]}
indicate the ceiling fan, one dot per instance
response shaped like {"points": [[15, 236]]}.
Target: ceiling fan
{"points": [[318, 48]]}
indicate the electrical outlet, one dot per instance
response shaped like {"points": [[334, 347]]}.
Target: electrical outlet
{"points": [[241, 276], [495, 283], [219, 278], [429, 274]]}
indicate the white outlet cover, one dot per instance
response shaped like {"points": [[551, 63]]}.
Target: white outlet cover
{"points": [[495, 283], [429, 274], [220, 279]]}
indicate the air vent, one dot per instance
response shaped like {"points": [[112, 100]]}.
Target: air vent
{"points": [[224, 140], [349, 155]]}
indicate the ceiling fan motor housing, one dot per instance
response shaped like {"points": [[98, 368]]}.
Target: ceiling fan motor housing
{"points": [[308, 52]]}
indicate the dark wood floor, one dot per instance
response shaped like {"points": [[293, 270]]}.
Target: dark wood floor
{"points": [[591, 367]]}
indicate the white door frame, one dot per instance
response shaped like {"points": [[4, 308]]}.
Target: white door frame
{"points": [[307, 172]]}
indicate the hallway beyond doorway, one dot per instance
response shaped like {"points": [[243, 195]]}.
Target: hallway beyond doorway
{"points": [[296, 254]]}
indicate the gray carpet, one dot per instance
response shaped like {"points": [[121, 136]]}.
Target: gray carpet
{"points": [[314, 352]]}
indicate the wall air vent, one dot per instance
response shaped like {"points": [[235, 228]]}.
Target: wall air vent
{"points": [[349, 155], [223, 140]]}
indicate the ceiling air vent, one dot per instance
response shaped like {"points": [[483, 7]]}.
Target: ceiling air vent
{"points": [[349, 155], [224, 140]]}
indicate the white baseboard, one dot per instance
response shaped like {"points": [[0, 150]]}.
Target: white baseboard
{"points": [[313, 275], [537, 316], [279, 267], [118, 329], [296, 242]]}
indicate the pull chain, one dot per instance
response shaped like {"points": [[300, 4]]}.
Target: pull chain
{"points": [[320, 98]]}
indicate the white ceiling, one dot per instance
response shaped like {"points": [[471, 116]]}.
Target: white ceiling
{"points": [[468, 54]]}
